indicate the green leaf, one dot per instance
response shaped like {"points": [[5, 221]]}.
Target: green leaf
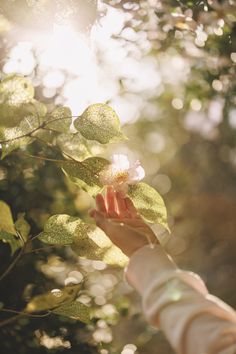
{"points": [[18, 136], [11, 239], [53, 298], [94, 244], [6, 220], [22, 226], [60, 230], [73, 145], [86, 240], [149, 203], [61, 118], [99, 122], [86, 173], [15, 92], [7, 228], [75, 310]]}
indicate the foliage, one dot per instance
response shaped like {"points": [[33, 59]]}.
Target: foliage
{"points": [[183, 131], [35, 123]]}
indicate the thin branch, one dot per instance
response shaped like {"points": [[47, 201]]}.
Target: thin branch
{"points": [[23, 313], [71, 160], [43, 141], [9, 320], [13, 263], [29, 134], [19, 314], [40, 249], [20, 237], [43, 158]]}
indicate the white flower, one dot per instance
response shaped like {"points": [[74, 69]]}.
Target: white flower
{"points": [[120, 173]]}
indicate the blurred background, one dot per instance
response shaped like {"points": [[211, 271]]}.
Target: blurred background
{"points": [[168, 69]]}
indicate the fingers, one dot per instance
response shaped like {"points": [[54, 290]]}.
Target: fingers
{"points": [[100, 203], [131, 208], [115, 205], [111, 202], [121, 205], [99, 219]]}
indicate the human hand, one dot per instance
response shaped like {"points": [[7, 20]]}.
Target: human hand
{"points": [[119, 219]]}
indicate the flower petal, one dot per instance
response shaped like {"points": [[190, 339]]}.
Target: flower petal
{"points": [[136, 173], [121, 162]]}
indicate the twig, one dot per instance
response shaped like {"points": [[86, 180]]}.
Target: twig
{"points": [[29, 134], [71, 160], [23, 313], [9, 320], [13, 263], [19, 314], [40, 249]]}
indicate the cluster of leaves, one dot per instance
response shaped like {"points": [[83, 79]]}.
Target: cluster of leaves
{"points": [[25, 121]]}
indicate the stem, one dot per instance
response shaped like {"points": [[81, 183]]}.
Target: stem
{"points": [[19, 314], [42, 158], [13, 263], [72, 160], [29, 134], [41, 249], [23, 313], [20, 254], [9, 320]]}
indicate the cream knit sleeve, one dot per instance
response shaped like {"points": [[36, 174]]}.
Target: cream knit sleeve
{"points": [[178, 303]]}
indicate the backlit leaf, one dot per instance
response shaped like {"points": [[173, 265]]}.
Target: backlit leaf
{"points": [[86, 173], [149, 203], [99, 122], [16, 93], [22, 226], [61, 119], [86, 240], [73, 145], [60, 230], [6, 219], [11, 239], [18, 136], [15, 90], [75, 310], [94, 244], [7, 228], [53, 298]]}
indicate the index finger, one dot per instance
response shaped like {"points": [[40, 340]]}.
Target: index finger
{"points": [[100, 203], [131, 208]]}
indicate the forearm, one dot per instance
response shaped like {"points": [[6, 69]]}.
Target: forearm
{"points": [[179, 303]]}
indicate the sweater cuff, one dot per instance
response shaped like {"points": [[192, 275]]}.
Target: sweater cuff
{"points": [[145, 264]]}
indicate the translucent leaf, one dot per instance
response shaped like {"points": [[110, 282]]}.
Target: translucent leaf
{"points": [[94, 244], [73, 145], [6, 220], [149, 203], [60, 230], [7, 228], [86, 173], [75, 310], [16, 94], [15, 90], [61, 119], [99, 122], [86, 240], [22, 226], [53, 298], [16, 137], [11, 239]]}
